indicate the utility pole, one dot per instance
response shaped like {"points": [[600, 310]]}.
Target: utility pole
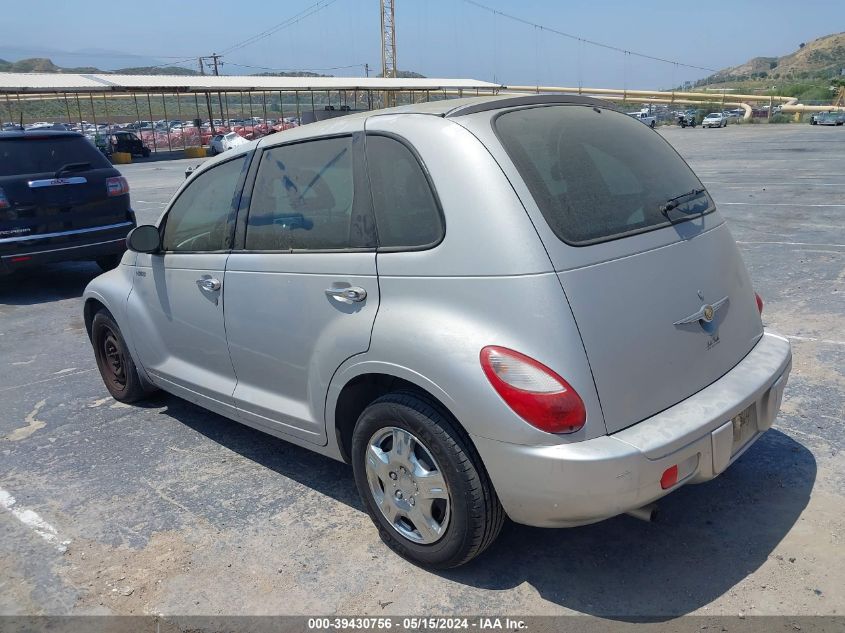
{"points": [[367, 69], [214, 62]]}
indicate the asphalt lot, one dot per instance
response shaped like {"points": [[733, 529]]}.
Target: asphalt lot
{"points": [[166, 508]]}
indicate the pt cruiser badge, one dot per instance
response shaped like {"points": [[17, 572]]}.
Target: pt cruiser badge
{"points": [[705, 313]]}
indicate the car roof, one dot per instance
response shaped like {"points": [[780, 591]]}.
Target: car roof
{"points": [[17, 134], [447, 108]]}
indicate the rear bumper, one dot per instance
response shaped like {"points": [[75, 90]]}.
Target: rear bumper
{"points": [[584, 482], [90, 243]]}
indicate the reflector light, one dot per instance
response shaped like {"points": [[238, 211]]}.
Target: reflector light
{"points": [[20, 259], [4, 201], [759, 303], [534, 392], [670, 477]]}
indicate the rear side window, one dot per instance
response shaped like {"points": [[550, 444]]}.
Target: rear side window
{"points": [[201, 218], [598, 174], [304, 199], [47, 155], [406, 211]]}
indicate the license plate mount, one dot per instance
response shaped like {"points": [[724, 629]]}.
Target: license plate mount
{"points": [[744, 428]]}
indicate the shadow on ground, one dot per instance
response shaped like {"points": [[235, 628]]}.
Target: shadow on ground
{"points": [[708, 539], [50, 282]]}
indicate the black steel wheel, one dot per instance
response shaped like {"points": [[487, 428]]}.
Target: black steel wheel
{"points": [[116, 366]]}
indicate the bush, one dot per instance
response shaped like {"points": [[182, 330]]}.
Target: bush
{"points": [[781, 118]]}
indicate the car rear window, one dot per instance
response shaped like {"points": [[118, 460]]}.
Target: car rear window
{"points": [[597, 174], [46, 154]]}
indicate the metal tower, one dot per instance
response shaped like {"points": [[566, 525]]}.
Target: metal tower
{"points": [[388, 39]]}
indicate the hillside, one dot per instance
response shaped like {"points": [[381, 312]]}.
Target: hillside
{"points": [[40, 65], [822, 58], [44, 65]]}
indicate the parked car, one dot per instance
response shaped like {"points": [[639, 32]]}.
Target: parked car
{"points": [[715, 119], [524, 306], [219, 143], [128, 142], [60, 199], [644, 117], [831, 118]]}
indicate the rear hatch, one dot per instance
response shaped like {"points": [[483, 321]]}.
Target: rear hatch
{"points": [[41, 199], [654, 279]]}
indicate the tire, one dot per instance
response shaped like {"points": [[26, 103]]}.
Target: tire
{"points": [[146, 152], [466, 517], [117, 369], [651, 125], [108, 262]]}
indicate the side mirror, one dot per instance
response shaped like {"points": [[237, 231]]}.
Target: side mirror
{"points": [[144, 239]]}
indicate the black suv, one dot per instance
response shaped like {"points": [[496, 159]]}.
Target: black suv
{"points": [[128, 142], [60, 199]]}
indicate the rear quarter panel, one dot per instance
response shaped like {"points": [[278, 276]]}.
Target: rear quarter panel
{"points": [[489, 282]]}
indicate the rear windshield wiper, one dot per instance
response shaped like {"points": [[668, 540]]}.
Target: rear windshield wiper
{"points": [[72, 167], [675, 202]]}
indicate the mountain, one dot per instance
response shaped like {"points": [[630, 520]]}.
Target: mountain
{"points": [[44, 65], [406, 74], [40, 65], [152, 70], [822, 58], [89, 57]]}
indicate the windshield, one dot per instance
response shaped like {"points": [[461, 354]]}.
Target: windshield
{"points": [[46, 154], [712, 116], [596, 174]]}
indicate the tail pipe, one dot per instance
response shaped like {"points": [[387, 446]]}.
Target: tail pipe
{"points": [[647, 513]]}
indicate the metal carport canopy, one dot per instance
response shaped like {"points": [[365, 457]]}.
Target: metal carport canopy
{"points": [[41, 83]]}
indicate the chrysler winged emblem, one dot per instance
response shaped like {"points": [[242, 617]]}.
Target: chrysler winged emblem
{"points": [[705, 313]]}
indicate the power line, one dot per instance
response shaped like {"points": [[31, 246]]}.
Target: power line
{"points": [[294, 19], [583, 39]]}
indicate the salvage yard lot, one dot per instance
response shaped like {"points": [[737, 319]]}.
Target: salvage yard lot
{"points": [[167, 508]]}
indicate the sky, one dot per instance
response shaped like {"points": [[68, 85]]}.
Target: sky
{"points": [[438, 38]]}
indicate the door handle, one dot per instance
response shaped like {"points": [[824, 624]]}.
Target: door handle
{"points": [[347, 295], [209, 284]]}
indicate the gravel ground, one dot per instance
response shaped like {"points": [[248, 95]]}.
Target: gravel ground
{"points": [[166, 508]]}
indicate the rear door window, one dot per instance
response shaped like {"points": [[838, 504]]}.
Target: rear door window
{"points": [[598, 174], [47, 154], [304, 199]]}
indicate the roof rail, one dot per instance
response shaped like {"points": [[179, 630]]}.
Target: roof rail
{"points": [[509, 102]]}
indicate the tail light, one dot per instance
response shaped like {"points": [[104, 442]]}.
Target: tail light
{"points": [[759, 303], [117, 186], [534, 392], [4, 201]]}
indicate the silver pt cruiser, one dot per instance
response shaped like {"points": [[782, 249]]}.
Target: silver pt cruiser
{"points": [[521, 306]]}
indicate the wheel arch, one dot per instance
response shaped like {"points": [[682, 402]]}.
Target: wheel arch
{"points": [[351, 395], [92, 306]]}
